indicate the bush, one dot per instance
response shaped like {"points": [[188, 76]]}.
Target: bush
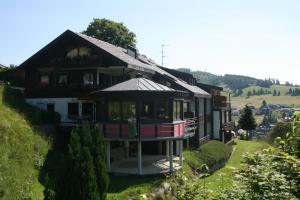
{"points": [[279, 130], [212, 153]]}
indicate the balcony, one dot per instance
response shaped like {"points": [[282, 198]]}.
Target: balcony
{"points": [[220, 102], [150, 132]]}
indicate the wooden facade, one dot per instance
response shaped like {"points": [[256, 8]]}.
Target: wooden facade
{"points": [[73, 75]]}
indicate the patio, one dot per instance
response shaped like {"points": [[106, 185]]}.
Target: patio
{"points": [[151, 164]]}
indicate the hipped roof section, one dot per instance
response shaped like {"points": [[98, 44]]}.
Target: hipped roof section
{"points": [[141, 63]]}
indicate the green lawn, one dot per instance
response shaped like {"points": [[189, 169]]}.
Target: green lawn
{"points": [[214, 181]]}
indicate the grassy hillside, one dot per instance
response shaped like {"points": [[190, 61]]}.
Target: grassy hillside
{"points": [[256, 100], [240, 102], [281, 88], [22, 150]]}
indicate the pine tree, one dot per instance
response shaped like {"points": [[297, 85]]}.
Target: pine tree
{"points": [[274, 93], [247, 121], [86, 176]]}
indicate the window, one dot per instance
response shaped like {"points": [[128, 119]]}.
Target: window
{"points": [[162, 110], [147, 113], [62, 79], [73, 110], [87, 111], [45, 80], [128, 109], [114, 111], [50, 107], [88, 79], [177, 110]]}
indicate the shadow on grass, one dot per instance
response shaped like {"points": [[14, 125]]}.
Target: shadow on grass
{"points": [[118, 184]]}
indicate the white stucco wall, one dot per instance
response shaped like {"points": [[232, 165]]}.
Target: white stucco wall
{"points": [[60, 105]]}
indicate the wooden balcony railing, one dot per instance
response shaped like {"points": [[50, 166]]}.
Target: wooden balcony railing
{"points": [[221, 102]]}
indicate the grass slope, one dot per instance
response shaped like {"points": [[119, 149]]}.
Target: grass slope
{"points": [[22, 152], [215, 181], [240, 102]]}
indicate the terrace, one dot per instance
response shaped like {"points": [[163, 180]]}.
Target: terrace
{"points": [[139, 112]]}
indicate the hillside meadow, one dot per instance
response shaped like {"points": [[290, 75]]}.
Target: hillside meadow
{"points": [[241, 101], [22, 151]]}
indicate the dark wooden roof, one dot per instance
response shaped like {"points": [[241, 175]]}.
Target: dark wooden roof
{"points": [[208, 87], [142, 63]]}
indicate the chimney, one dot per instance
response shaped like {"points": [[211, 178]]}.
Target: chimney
{"points": [[133, 52]]}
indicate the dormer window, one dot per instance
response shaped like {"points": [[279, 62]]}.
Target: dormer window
{"points": [[88, 79], [77, 52], [45, 80]]}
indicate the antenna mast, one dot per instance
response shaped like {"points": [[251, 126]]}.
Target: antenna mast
{"points": [[163, 54]]}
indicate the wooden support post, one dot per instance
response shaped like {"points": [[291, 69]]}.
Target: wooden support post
{"points": [[188, 143], [171, 155], [180, 152], [177, 147], [223, 136], [108, 155], [140, 158], [127, 145], [167, 149]]}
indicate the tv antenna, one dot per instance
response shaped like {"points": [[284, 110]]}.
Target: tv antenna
{"points": [[163, 53]]}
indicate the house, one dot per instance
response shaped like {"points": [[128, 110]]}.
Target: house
{"points": [[146, 113]]}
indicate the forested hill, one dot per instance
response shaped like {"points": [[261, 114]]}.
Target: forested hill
{"points": [[233, 82]]}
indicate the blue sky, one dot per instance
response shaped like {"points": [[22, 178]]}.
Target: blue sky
{"points": [[259, 38]]}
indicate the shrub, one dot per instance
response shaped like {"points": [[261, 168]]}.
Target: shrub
{"points": [[279, 130], [211, 154]]}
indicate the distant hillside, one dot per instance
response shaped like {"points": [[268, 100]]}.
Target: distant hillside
{"points": [[241, 85], [22, 149]]}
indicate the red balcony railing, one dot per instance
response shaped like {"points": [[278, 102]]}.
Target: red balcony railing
{"points": [[150, 131]]}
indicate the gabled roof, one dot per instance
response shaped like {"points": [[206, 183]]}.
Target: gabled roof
{"points": [[142, 63], [138, 84]]}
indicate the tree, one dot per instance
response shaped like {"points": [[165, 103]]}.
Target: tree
{"points": [[247, 121], [274, 93], [86, 176], [112, 32], [249, 93], [264, 103]]}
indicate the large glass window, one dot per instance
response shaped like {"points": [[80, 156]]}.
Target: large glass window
{"points": [[73, 110], [88, 79], [177, 110], [162, 110], [114, 111], [87, 111], [147, 113], [128, 109]]}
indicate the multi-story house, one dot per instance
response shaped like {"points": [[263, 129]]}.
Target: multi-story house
{"points": [[145, 112]]}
